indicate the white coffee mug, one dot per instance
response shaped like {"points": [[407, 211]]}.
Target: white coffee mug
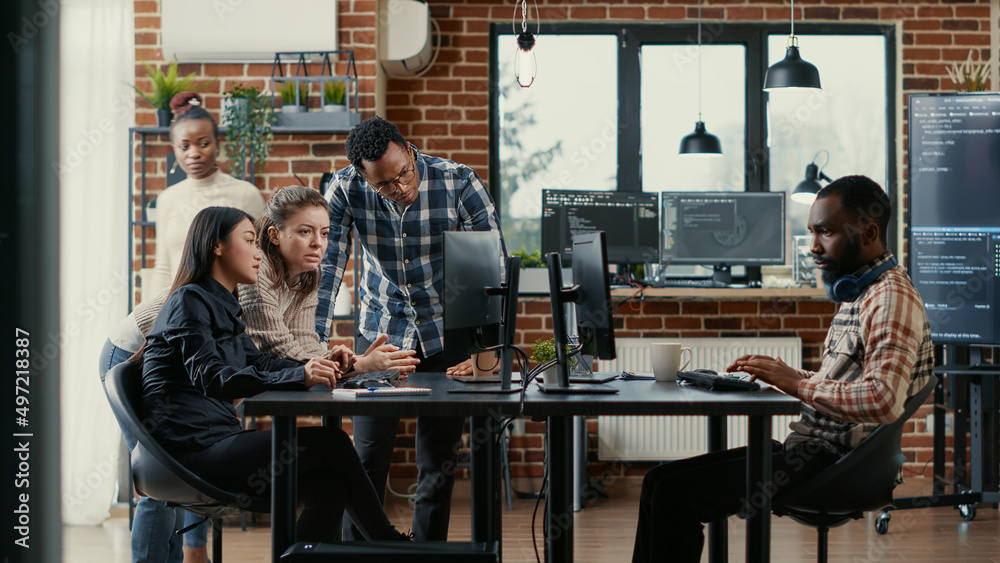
{"points": [[666, 358]]}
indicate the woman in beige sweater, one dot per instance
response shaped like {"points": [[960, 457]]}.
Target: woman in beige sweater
{"points": [[194, 135], [280, 309]]}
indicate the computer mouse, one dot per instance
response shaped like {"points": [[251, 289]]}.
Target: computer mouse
{"points": [[349, 384]]}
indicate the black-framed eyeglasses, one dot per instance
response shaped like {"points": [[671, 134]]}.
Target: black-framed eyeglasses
{"points": [[405, 177]]}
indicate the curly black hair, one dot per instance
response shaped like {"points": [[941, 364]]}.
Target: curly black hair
{"points": [[370, 139], [864, 198]]}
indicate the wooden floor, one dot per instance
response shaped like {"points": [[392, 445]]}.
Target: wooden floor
{"points": [[605, 532]]}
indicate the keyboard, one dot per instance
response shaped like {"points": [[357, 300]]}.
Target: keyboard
{"points": [[687, 282], [736, 381]]}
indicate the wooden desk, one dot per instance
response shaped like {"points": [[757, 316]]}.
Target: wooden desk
{"points": [[725, 292]]}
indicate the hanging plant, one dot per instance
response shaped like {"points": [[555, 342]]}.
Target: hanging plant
{"points": [[248, 116]]}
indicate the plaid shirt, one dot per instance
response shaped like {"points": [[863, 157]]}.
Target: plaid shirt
{"points": [[400, 292], [877, 353]]}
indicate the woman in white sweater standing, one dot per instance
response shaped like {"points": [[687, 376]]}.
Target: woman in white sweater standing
{"points": [[280, 309], [194, 135]]}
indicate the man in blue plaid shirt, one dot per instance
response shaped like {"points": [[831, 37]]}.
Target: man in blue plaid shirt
{"points": [[400, 202]]}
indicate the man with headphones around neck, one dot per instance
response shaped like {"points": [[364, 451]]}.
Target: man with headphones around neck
{"points": [[877, 353]]}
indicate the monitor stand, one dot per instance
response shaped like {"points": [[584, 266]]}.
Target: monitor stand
{"points": [[976, 360], [723, 273], [578, 389], [504, 379]]}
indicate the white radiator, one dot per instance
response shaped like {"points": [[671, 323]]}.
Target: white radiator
{"points": [[657, 438]]}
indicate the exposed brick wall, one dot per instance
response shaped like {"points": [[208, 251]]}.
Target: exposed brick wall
{"points": [[445, 113]]}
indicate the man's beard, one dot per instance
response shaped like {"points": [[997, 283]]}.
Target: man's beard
{"points": [[844, 266]]}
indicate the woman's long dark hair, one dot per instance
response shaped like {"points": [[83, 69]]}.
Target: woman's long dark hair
{"points": [[284, 204], [211, 226]]}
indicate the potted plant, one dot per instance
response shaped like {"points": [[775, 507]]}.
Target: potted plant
{"points": [[166, 86], [530, 260], [248, 115], [543, 351], [534, 272], [969, 76], [334, 93], [288, 102]]}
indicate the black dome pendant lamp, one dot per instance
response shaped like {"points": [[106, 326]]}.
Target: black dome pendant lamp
{"points": [[701, 142], [792, 71]]}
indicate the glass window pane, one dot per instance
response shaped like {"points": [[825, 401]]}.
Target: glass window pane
{"points": [[847, 118], [562, 132], [669, 110]]}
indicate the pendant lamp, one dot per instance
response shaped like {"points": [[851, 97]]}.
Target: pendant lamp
{"points": [[525, 65], [701, 142], [807, 189], [792, 71]]}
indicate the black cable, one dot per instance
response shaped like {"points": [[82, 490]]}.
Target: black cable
{"points": [[534, 513], [626, 300]]}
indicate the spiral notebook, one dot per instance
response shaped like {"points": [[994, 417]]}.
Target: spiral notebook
{"points": [[382, 391]]}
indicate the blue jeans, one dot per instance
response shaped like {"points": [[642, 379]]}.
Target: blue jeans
{"points": [[153, 525]]}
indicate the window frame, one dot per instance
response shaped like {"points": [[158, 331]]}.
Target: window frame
{"points": [[753, 36]]}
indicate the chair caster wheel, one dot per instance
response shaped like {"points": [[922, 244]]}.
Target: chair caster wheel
{"points": [[967, 511], [882, 523]]}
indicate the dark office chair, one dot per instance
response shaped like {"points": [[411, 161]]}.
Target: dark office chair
{"points": [[860, 481], [158, 475]]}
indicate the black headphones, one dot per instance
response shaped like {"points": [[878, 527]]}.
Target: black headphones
{"points": [[849, 288]]}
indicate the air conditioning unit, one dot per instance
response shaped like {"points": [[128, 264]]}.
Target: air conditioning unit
{"points": [[245, 30], [404, 37]]}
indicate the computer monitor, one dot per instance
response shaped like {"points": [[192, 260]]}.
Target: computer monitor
{"points": [[593, 301], [630, 221], [592, 294], [472, 300], [954, 195], [480, 310], [723, 229]]}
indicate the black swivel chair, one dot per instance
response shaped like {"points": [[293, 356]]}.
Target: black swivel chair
{"points": [[860, 481], [158, 475]]}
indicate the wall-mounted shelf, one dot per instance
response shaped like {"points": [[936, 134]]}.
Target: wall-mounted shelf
{"points": [[318, 119]]}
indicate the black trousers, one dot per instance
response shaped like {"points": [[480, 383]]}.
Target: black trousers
{"points": [[679, 496], [330, 479], [437, 443]]}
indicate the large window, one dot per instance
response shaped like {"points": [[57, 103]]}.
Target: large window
{"points": [[612, 102], [669, 110], [846, 119], [561, 133]]}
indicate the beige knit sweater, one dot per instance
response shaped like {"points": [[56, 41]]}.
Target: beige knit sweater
{"points": [[290, 335], [175, 211]]}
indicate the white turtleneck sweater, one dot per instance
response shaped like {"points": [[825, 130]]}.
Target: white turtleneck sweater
{"points": [[175, 210]]}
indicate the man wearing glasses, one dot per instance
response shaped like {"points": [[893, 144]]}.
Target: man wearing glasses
{"points": [[400, 202]]}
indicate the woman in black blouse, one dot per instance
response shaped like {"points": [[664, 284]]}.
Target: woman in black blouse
{"points": [[197, 360]]}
